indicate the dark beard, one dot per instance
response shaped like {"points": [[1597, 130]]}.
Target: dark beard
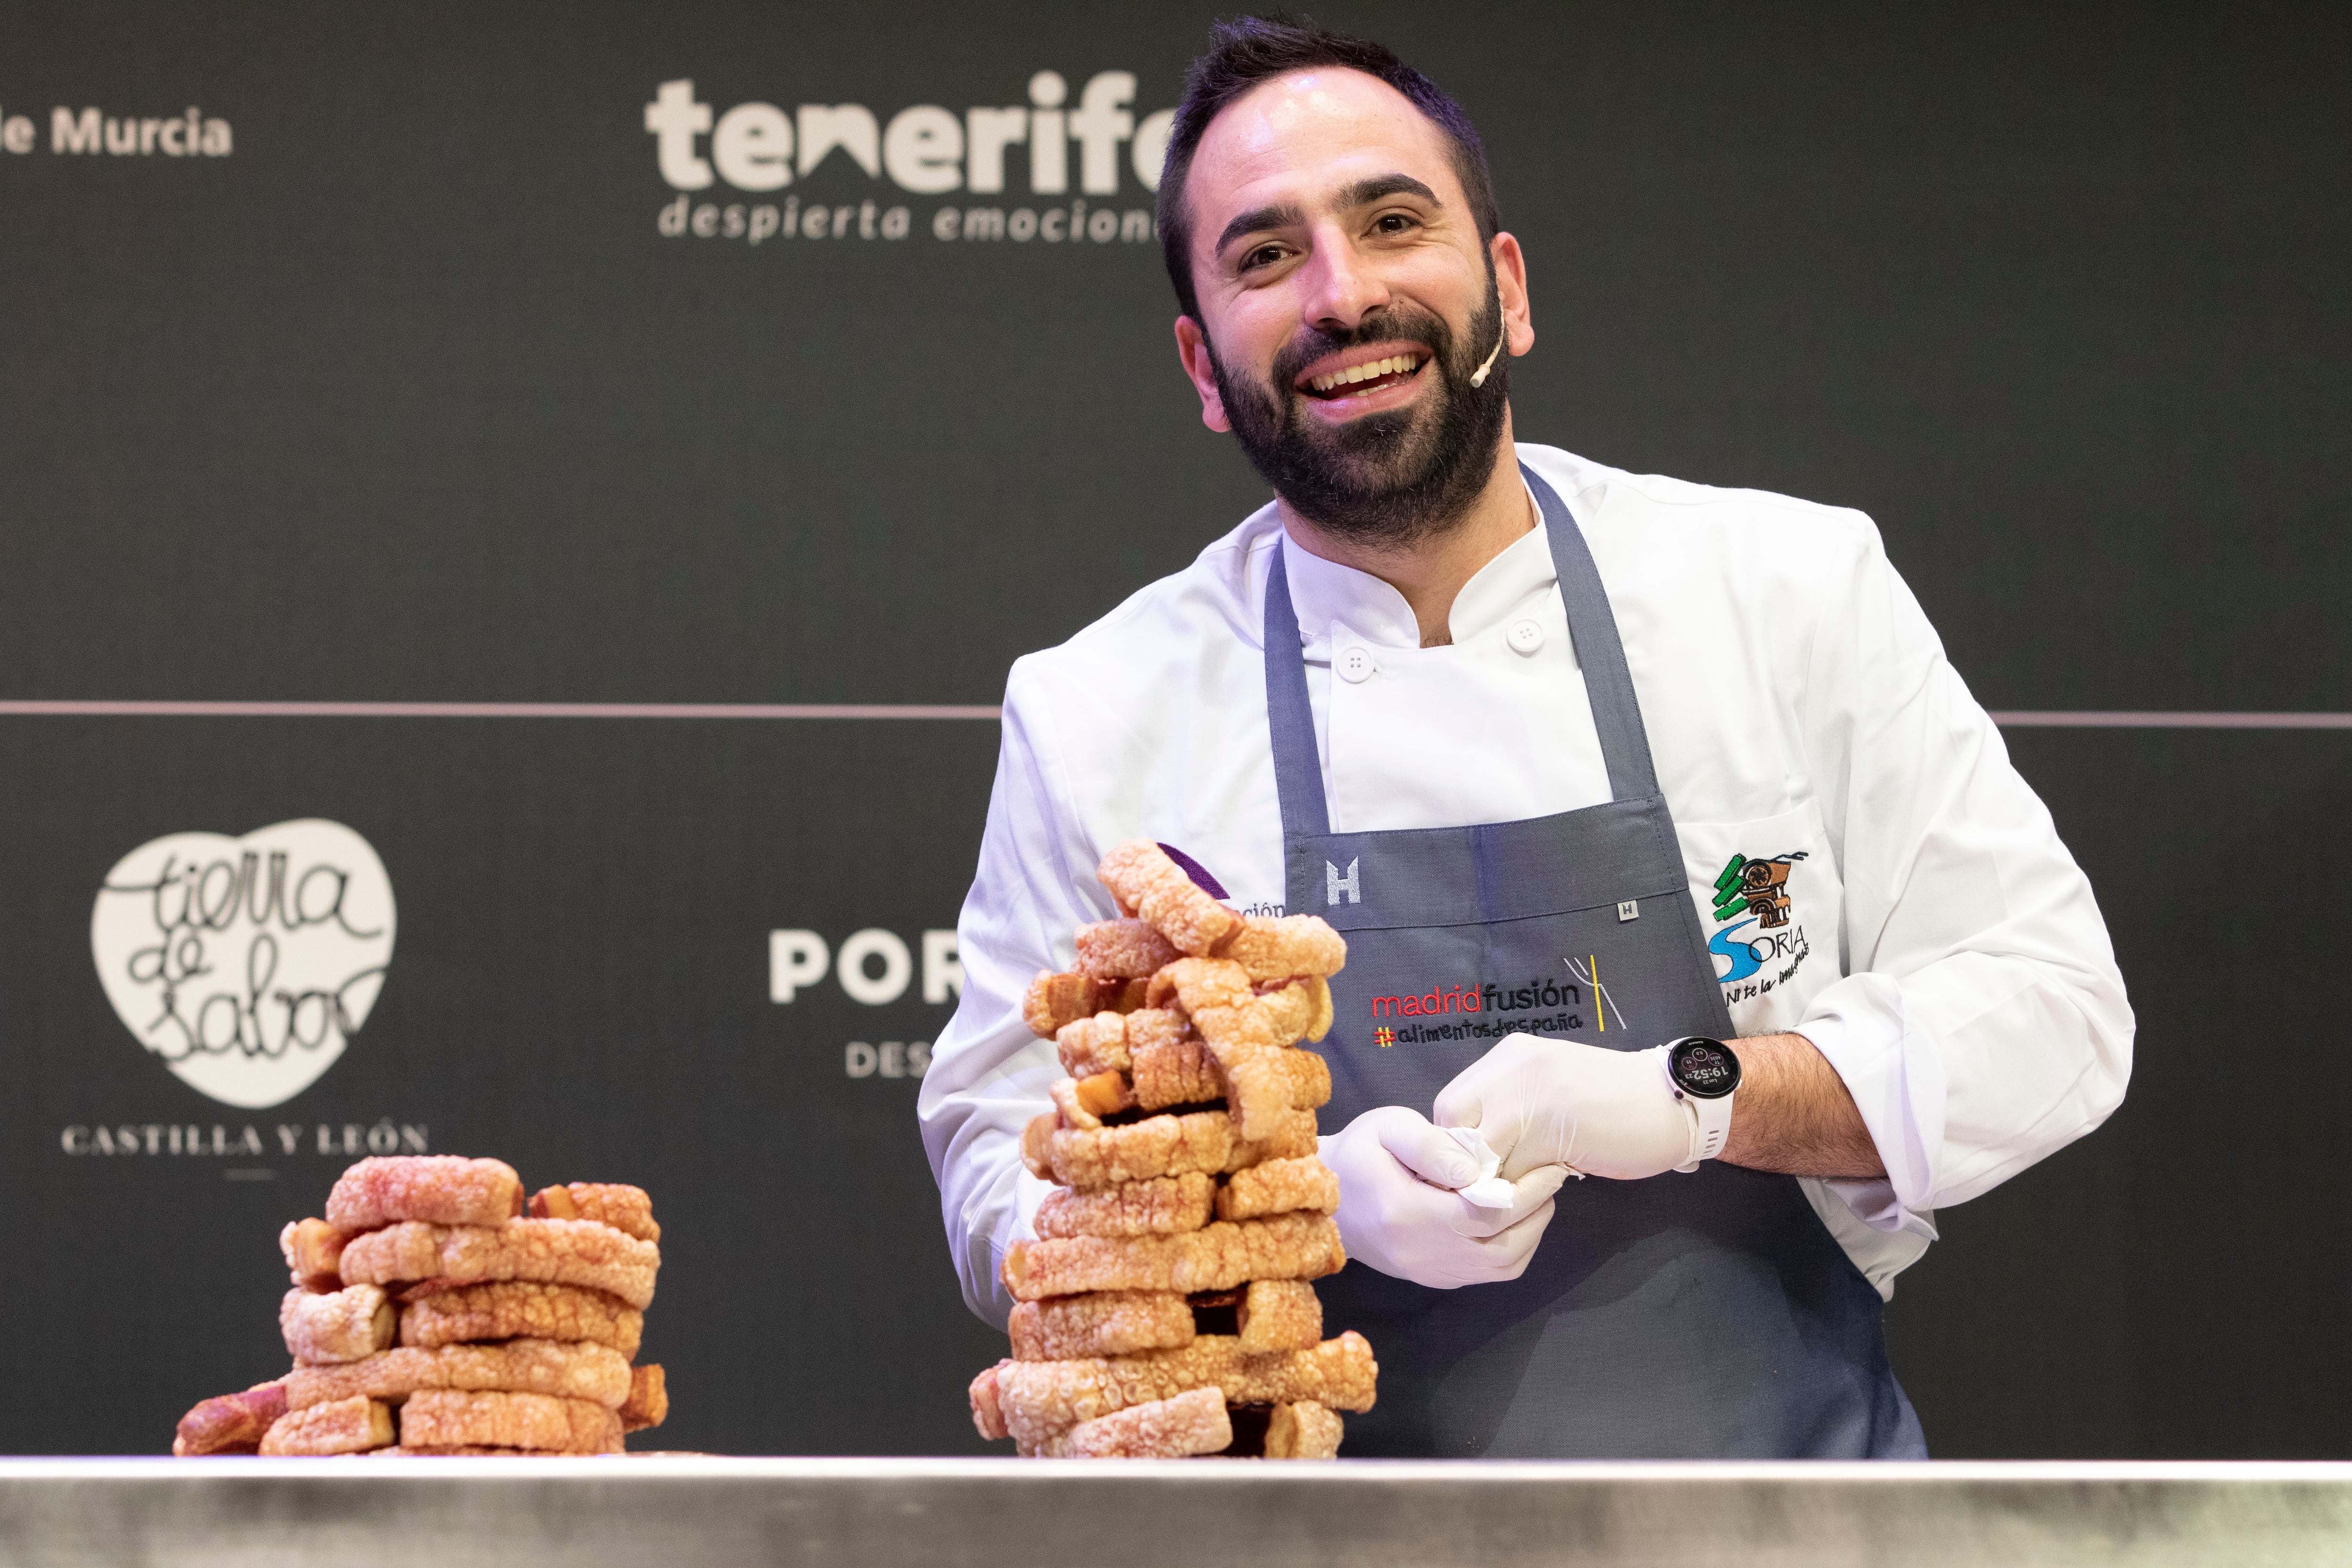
{"points": [[1389, 480]]}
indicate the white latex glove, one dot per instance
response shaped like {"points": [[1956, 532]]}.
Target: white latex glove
{"points": [[1600, 1112], [1399, 1214]]}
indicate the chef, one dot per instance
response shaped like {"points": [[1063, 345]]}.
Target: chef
{"points": [[1679, 868]]}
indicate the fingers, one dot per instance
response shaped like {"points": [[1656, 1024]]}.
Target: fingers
{"points": [[1461, 1103], [1534, 1155], [1491, 1094], [1505, 1254], [1396, 1216], [1529, 1193], [1424, 1150]]}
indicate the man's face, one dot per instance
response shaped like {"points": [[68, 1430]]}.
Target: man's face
{"points": [[1346, 300]]}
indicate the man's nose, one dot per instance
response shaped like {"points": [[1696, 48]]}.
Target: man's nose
{"points": [[1341, 288]]}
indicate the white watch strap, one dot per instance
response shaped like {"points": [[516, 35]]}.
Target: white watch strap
{"points": [[1714, 1118]]}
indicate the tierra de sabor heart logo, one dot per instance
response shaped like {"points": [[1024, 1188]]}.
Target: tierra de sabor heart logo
{"points": [[245, 964]]}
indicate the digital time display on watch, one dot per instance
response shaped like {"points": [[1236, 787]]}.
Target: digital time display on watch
{"points": [[1705, 1069]]}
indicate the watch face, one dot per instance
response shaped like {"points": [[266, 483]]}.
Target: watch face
{"points": [[1705, 1069]]}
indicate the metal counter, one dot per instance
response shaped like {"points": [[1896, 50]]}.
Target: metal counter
{"points": [[875, 1513]]}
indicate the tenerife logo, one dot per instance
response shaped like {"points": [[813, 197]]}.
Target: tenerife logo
{"points": [[1761, 889], [245, 964], [925, 151]]}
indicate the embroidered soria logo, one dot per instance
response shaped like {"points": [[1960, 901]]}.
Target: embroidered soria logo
{"points": [[1761, 885], [1755, 893]]}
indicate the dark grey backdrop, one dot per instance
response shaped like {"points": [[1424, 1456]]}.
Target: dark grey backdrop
{"points": [[407, 398]]}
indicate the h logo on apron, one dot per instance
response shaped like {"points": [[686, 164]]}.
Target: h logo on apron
{"points": [[1335, 884]]}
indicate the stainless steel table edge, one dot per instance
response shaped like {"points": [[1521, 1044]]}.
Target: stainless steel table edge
{"points": [[663, 1509]]}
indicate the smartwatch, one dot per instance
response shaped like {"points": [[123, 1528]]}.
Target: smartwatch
{"points": [[1703, 1073]]}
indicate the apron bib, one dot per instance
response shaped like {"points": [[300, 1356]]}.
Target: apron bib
{"points": [[1701, 1316]]}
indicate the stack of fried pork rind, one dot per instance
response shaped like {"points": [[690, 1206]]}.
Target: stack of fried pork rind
{"points": [[1165, 1309], [430, 1315]]}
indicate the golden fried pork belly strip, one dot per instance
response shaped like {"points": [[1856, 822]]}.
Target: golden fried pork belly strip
{"points": [[1303, 1430], [1158, 1146], [1173, 1428], [1181, 1072], [1229, 1008], [1286, 1246], [446, 1418], [520, 1309], [1279, 1186], [648, 1401], [519, 1366], [987, 1415], [1103, 1042], [1102, 1094], [550, 1251], [1279, 1315], [1160, 1206], [1055, 1001], [1083, 1102], [438, 1189], [1146, 882], [1248, 1033], [346, 1427], [314, 1251], [1199, 986], [1283, 945], [1107, 1322], [1123, 950], [1187, 1073], [231, 1422], [322, 1329], [629, 1210], [1036, 1400]]}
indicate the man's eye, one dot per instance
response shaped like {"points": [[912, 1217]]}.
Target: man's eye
{"points": [[1393, 223], [1264, 256]]}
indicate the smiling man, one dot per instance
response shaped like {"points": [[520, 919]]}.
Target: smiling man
{"points": [[1677, 864]]}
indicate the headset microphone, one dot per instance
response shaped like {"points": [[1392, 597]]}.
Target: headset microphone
{"points": [[1479, 379]]}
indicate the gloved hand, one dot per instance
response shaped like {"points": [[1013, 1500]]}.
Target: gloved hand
{"points": [[1601, 1112], [1399, 1214]]}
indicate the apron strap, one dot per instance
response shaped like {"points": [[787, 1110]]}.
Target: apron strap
{"points": [[1591, 626], [1297, 765]]}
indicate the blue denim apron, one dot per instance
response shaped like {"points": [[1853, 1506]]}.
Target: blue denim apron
{"points": [[1707, 1315]]}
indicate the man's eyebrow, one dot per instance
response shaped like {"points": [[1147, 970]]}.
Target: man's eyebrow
{"points": [[1365, 191], [1285, 216]]}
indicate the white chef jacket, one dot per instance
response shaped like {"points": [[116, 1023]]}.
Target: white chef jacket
{"points": [[1939, 944]]}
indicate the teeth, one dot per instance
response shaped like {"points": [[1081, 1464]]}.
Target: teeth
{"points": [[1395, 364]]}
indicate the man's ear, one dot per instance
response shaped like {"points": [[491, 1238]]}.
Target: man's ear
{"points": [[1511, 283], [1192, 353]]}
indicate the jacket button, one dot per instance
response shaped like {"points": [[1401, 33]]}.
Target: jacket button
{"points": [[1356, 665], [1526, 637]]}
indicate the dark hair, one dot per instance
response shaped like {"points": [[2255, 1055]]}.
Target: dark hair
{"points": [[1248, 50]]}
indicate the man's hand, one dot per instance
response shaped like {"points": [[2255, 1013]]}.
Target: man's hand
{"points": [[1613, 1113], [1399, 1214], [1555, 1102]]}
